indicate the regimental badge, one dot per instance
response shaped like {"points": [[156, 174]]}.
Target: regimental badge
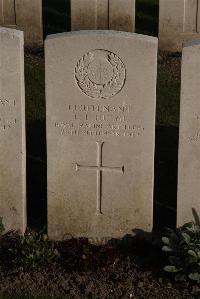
{"points": [[100, 74]]}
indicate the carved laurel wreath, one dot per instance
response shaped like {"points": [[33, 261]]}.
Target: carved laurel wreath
{"points": [[100, 91]]}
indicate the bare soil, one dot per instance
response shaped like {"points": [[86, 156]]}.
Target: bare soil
{"points": [[81, 270]]}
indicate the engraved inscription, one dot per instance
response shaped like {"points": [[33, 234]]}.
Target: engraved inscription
{"points": [[99, 108], [6, 124], [7, 118], [99, 168], [99, 121], [6, 103], [100, 74]]}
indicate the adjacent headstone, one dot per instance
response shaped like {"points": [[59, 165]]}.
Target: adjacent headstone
{"points": [[100, 133], [12, 131], [122, 15], [7, 12], [89, 14], [103, 14], [189, 143], [25, 15], [198, 16], [29, 19], [178, 23]]}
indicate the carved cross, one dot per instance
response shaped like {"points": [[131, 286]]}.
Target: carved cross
{"points": [[99, 170]]}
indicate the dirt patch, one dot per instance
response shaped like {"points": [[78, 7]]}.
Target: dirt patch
{"points": [[170, 63], [82, 270]]}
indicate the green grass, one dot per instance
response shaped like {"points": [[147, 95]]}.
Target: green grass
{"points": [[168, 98], [35, 89]]}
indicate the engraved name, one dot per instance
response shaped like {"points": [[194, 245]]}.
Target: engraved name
{"points": [[100, 108]]}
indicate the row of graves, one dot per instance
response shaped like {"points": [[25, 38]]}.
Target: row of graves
{"points": [[179, 20], [100, 128]]}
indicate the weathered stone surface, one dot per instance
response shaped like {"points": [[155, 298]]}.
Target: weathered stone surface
{"points": [[25, 15], [198, 17], [89, 14], [189, 143], [29, 19], [122, 15], [178, 23], [103, 14], [12, 131], [100, 133], [7, 12]]}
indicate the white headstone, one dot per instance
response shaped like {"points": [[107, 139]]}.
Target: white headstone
{"points": [[103, 14], [100, 133], [178, 22], [7, 12], [25, 15], [12, 131], [122, 15], [189, 140], [89, 14]]}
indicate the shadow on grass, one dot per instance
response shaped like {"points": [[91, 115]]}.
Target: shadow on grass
{"points": [[165, 185], [36, 175], [147, 12], [56, 16]]}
